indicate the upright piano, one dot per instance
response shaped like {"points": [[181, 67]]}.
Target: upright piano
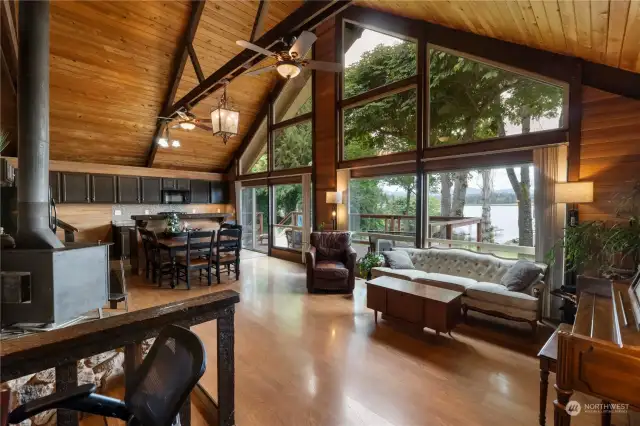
{"points": [[600, 356]]}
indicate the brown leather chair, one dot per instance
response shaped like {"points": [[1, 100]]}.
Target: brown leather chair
{"points": [[331, 262]]}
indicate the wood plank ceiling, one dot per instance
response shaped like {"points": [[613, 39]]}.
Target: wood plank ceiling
{"points": [[601, 31], [110, 65], [110, 62]]}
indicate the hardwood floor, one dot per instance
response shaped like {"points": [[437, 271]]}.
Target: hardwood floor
{"points": [[320, 360]]}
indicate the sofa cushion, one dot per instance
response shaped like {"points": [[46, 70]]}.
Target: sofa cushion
{"points": [[521, 275], [450, 282], [330, 270], [398, 259], [500, 295], [403, 274]]}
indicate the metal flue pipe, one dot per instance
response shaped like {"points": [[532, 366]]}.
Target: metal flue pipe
{"points": [[33, 127]]}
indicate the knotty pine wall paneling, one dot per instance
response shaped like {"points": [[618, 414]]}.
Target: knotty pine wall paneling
{"points": [[326, 125], [610, 150]]}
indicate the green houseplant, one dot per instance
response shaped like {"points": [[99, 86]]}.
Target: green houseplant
{"points": [[608, 249], [368, 262], [173, 223]]}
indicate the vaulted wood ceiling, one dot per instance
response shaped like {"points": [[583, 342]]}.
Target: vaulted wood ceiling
{"points": [[601, 31], [111, 60]]}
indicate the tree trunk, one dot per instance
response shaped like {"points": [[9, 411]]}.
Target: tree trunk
{"points": [[461, 183], [445, 194], [487, 189]]}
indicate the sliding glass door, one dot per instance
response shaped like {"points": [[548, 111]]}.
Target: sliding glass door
{"points": [[255, 218]]}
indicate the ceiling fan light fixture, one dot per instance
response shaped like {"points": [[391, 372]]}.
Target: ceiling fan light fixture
{"points": [[163, 142], [187, 125], [175, 143], [288, 69]]}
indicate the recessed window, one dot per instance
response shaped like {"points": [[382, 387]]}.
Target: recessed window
{"points": [[292, 146], [471, 101], [373, 59], [384, 126]]}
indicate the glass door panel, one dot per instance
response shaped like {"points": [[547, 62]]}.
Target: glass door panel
{"points": [[255, 218]]}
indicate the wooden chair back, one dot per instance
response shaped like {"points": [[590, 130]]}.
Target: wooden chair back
{"points": [[195, 245], [149, 243], [228, 241]]}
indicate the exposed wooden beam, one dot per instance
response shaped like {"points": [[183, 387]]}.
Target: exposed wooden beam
{"points": [[610, 79], [11, 28], [179, 61], [306, 17], [5, 67], [195, 62], [258, 24]]}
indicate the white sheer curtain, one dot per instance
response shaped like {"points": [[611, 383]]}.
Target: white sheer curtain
{"points": [[550, 167], [306, 213]]}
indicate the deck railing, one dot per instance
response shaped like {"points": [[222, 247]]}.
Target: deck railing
{"points": [[62, 348]]}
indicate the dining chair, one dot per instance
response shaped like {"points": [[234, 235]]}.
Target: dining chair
{"points": [[159, 264], [227, 251], [197, 257]]}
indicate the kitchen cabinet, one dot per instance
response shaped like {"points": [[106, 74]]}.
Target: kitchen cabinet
{"points": [[220, 192], [151, 190], [75, 187], [177, 184], [183, 184], [128, 189], [103, 189], [54, 184], [200, 192]]}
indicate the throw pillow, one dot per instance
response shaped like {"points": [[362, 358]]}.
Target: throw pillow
{"points": [[520, 275], [398, 259]]}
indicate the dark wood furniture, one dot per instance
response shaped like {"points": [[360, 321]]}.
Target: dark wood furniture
{"points": [[75, 187], [200, 192], [548, 356], [62, 348], [197, 257], [600, 355], [219, 192], [118, 287], [121, 243], [128, 189], [103, 189], [151, 190], [414, 304], [227, 252], [158, 264], [178, 184], [174, 246]]}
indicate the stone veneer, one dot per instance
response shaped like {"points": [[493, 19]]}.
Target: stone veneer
{"points": [[105, 370]]}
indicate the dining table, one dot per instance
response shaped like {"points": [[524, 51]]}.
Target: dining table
{"points": [[176, 244]]}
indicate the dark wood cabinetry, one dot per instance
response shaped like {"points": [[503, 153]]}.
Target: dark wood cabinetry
{"points": [[220, 192], [75, 187], [121, 243], [128, 189], [54, 184], [200, 192], [178, 184], [103, 189], [151, 189]]}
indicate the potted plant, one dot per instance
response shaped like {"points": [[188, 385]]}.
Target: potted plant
{"points": [[173, 223], [610, 250], [368, 262]]}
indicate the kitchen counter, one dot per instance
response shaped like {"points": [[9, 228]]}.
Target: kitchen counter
{"points": [[162, 216]]}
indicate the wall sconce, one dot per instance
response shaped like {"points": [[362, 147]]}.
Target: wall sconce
{"points": [[335, 198], [574, 193]]}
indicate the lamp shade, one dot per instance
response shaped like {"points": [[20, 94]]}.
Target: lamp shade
{"points": [[334, 197], [224, 121], [574, 192]]}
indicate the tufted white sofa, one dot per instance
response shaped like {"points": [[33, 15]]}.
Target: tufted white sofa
{"points": [[477, 276]]}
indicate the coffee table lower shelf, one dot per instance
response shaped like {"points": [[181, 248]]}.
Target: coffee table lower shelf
{"points": [[414, 305]]}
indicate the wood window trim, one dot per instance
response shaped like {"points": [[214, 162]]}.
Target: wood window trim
{"points": [[506, 143], [380, 92], [382, 171], [390, 159], [488, 160], [292, 121]]}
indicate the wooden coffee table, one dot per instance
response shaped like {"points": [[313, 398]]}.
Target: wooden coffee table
{"points": [[414, 304]]}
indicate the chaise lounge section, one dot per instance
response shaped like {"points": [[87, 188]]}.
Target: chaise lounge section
{"points": [[478, 276]]}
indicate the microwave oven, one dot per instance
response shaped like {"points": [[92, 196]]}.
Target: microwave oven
{"points": [[174, 196]]}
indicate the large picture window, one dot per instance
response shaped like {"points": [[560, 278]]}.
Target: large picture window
{"points": [[471, 101], [383, 208], [493, 207], [292, 146]]}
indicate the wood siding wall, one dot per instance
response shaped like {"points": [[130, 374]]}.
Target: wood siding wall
{"points": [[610, 150], [325, 128]]}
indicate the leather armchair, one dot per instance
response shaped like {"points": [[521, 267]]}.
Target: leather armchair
{"points": [[331, 262]]}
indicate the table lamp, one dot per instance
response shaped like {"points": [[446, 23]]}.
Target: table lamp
{"points": [[574, 193], [335, 198]]}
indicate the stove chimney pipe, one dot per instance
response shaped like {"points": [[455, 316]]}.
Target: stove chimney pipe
{"points": [[33, 127]]}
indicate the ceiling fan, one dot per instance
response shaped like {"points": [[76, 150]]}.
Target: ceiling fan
{"points": [[188, 121], [290, 62]]}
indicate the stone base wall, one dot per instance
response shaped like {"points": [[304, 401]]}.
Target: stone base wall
{"points": [[105, 370]]}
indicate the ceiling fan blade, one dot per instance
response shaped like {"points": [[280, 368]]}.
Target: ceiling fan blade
{"points": [[204, 127], [261, 70], [175, 126], [255, 48], [324, 66], [203, 120], [302, 45]]}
